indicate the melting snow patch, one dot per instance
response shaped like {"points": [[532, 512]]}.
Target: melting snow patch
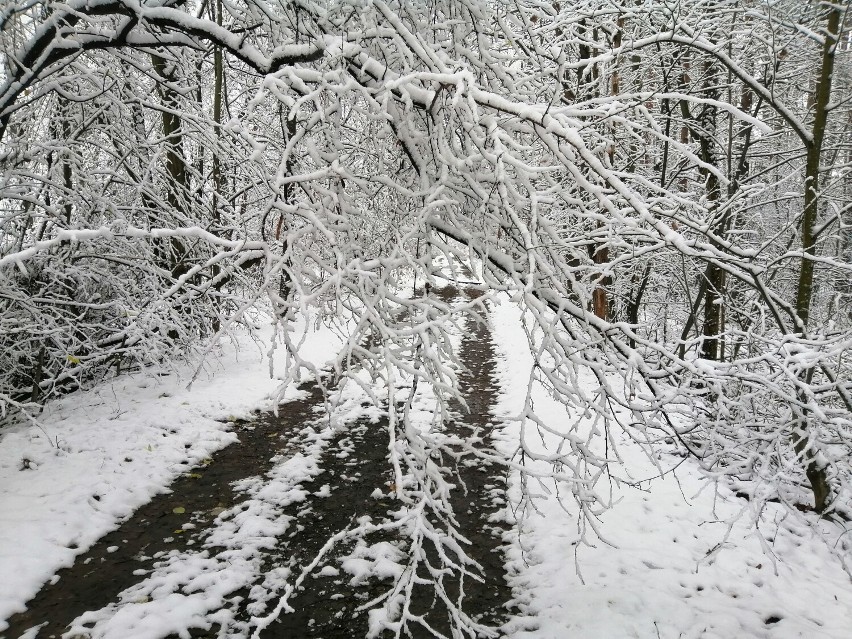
{"points": [[375, 561]]}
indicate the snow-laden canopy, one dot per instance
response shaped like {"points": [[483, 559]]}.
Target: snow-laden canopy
{"points": [[648, 184]]}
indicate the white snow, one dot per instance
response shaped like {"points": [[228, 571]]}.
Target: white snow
{"points": [[681, 559], [103, 453], [381, 560], [189, 589], [329, 571]]}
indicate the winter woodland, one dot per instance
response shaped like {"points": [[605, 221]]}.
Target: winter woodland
{"points": [[661, 189]]}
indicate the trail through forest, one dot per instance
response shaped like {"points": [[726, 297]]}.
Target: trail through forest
{"points": [[105, 582], [654, 198]]}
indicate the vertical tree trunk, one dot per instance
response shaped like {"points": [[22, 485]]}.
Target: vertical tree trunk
{"points": [[218, 181], [177, 188], [703, 128], [587, 87], [821, 99], [38, 375], [714, 292], [600, 301], [802, 430], [218, 79], [288, 194], [67, 171]]}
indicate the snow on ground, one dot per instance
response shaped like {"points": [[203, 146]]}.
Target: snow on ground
{"points": [[677, 566], [194, 588], [674, 570], [102, 453]]}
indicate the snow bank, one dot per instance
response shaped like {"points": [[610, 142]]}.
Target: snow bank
{"points": [[684, 561]]}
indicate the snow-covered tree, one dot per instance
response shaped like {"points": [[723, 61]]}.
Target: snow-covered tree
{"points": [[660, 187]]}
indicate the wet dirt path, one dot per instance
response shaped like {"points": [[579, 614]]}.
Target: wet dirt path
{"points": [[354, 465], [319, 608], [108, 567]]}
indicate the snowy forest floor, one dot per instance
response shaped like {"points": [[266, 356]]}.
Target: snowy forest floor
{"points": [[141, 509]]}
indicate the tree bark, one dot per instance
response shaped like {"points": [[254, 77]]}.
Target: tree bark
{"points": [[177, 188], [803, 429]]}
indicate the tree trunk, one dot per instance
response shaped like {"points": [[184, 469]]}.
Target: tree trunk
{"points": [[802, 430], [715, 289], [218, 181], [177, 188]]}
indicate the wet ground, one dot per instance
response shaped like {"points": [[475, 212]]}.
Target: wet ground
{"points": [[328, 602], [108, 567]]}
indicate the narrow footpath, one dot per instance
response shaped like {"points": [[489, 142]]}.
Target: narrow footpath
{"points": [[340, 491]]}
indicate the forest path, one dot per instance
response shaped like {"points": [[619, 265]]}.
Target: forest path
{"points": [[108, 580]]}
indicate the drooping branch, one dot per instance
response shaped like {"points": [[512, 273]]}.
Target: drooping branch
{"points": [[137, 25]]}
